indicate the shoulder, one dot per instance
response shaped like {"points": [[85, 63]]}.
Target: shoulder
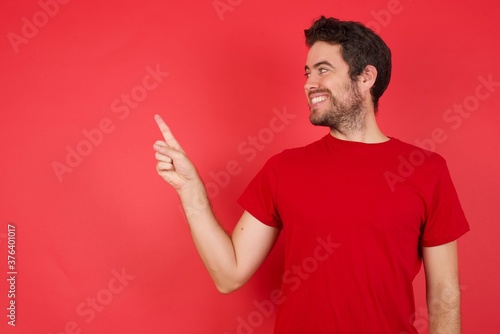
{"points": [[417, 156], [416, 167], [299, 153]]}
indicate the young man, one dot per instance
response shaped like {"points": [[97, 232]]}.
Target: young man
{"points": [[356, 230]]}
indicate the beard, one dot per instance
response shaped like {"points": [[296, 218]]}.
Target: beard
{"points": [[346, 113]]}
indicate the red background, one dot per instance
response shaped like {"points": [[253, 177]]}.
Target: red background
{"points": [[228, 71]]}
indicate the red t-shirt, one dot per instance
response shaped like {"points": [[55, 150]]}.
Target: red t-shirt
{"points": [[355, 217]]}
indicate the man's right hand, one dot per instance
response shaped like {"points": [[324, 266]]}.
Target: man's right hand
{"points": [[173, 165], [230, 260]]}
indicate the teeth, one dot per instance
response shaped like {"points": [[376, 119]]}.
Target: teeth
{"points": [[318, 99]]}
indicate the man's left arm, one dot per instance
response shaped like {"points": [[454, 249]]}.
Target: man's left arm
{"points": [[443, 290]]}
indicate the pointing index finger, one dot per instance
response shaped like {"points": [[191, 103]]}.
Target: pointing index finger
{"points": [[167, 134]]}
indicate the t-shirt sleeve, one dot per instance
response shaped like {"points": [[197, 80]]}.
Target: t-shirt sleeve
{"points": [[446, 220], [259, 198]]}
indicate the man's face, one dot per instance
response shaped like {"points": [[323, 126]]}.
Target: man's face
{"points": [[334, 99]]}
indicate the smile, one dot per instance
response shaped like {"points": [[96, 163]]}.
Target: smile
{"points": [[318, 99]]}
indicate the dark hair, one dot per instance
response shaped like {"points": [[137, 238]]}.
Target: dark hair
{"points": [[359, 46]]}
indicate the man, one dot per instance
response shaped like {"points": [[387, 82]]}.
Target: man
{"points": [[356, 231]]}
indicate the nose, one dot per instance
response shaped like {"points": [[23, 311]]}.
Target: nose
{"points": [[311, 84]]}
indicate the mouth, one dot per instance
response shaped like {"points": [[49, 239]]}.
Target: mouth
{"points": [[315, 100]]}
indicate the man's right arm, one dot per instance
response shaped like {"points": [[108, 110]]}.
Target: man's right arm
{"points": [[230, 260]]}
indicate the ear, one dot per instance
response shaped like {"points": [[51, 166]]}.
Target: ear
{"points": [[367, 78]]}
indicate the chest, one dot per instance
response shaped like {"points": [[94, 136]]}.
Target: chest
{"points": [[348, 199]]}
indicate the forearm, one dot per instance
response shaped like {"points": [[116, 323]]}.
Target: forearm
{"points": [[444, 309], [212, 242], [214, 245]]}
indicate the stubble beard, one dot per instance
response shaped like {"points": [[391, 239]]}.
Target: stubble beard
{"points": [[344, 115]]}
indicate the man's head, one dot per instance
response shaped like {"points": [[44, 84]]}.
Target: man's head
{"points": [[346, 60]]}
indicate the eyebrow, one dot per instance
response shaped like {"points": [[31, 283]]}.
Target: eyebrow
{"points": [[324, 62]]}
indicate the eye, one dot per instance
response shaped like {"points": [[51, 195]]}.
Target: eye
{"points": [[307, 74], [322, 70]]}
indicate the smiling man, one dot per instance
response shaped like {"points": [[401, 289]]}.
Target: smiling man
{"points": [[353, 243]]}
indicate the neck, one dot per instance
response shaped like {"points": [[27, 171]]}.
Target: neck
{"points": [[366, 132]]}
